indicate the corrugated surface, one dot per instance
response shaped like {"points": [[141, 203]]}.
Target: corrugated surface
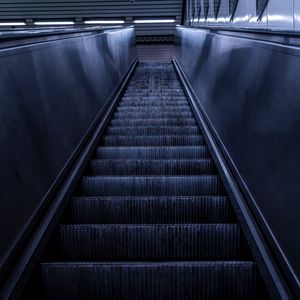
{"points": [[151, 167], [142, 242], [150, 210], [152, 186], [163, 280], [189, 152], [162, 53]]}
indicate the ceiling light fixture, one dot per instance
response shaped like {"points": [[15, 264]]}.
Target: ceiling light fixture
{"points": [[154, 21], [12, 24], [40, 23], [104, 22]]}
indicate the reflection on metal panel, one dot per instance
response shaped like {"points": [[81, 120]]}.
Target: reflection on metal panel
{"points": [[249, 94], [246, 14], [216, 7], [51, 93], [280, 14], [232, 7], [205, 8], [199, 10], [260, 7]]}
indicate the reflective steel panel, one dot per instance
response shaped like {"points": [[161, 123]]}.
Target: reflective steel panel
{"points": [[249, 90], [50, 93]]}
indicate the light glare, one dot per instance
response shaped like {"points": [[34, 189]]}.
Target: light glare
{"points": [[12, 24], [154, 21], [54, 23], [104, 22]]}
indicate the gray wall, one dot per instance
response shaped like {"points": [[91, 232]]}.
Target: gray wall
{"points": [[279, 15], [50, 93], [250, 92]]}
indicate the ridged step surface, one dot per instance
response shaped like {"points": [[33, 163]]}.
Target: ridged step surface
{"points": [[167, 93], [209, 185], [152, 130], [153, 115], [148, 242], [154, 122], [150, 210], [150, 281], [183, 152], [152, 167], [154, 109], [166, 140], [142, 102]]}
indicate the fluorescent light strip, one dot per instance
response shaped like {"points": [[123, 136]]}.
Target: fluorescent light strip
{"points": [[12, 24], [153, 21], [54, 23], [104, 22]]}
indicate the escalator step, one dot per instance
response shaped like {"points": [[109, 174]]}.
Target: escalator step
{"points": [[170, 140], [133, 242], [150, 210], [154, 122], [149, 281], [154, 93], [152, 115], [157, 98], [141, 102], [153, 109], [151, 167], [151, 130], [152, 186], [200, 152]]}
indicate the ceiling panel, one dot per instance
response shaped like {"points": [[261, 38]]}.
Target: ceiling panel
{"points": [[86, 9]]}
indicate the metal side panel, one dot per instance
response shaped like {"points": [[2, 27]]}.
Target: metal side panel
{"points": [[50, 95], [248, 90]]}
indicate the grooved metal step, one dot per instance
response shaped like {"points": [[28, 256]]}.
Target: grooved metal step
{"points": [[225, 280], [152, 186], [133, 242], [168, 140], [152, 115], [153, 109], [151, 167], [183, 152], [156, 102], [154, 122], [150, 210], [153, 130]]}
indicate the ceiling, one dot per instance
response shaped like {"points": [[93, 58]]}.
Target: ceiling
{"points": [[30, 11]]}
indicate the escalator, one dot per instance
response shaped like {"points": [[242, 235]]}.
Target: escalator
{"points": [[150, 218]]}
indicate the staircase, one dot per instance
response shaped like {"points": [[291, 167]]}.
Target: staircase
{"points": [[150, 218]]}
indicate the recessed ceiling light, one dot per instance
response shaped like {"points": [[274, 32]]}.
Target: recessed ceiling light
{"points": [[104, 22], [155, 21], [12, 24], [54, 23]]}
